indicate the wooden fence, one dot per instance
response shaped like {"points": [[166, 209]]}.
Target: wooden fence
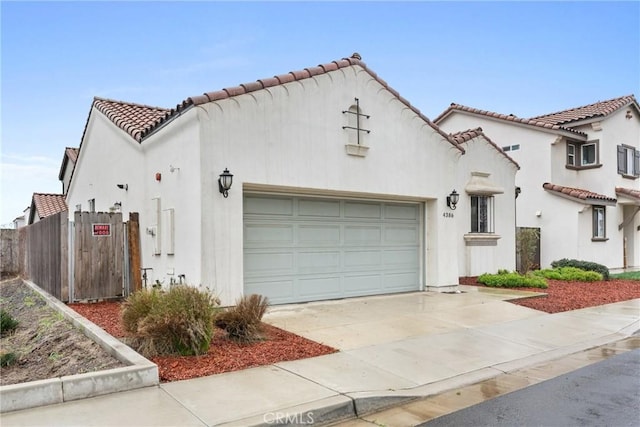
{"points": [[95, 257], [44, 260]]}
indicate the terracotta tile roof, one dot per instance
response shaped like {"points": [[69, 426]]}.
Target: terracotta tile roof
{"points": [[292, 76], [467, 135], [628, 192], [132, 118], [70, 155], [579, 194], [506, 117], [47, 204], [598, 109]]}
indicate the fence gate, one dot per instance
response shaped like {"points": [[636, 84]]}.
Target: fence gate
{"points": [[535, 261], [98, 256]]}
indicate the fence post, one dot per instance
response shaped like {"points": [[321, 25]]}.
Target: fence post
{"points": [[64, 256], [135, 273]]}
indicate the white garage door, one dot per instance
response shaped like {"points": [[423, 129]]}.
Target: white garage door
{"points": [[305, 249]]}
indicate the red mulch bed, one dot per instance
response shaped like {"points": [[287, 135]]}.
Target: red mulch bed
{"points": [[224, 355], [565, 296]]}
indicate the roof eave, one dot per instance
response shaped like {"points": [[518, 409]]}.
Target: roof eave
{"points": [[587, 201]]}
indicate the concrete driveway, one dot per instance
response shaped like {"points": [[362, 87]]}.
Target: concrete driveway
{"points": [[354, 323]]}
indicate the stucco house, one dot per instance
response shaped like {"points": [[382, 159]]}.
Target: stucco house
{"points": [[339, 187], [579, 176]]}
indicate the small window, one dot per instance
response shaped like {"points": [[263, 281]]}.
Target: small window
{"points": [[599, 223], [582, 155], [571, 155], [628, 161], [482, 214], [589, 154], [511, 147]]}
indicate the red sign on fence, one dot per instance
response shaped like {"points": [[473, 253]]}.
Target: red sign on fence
{"points": [[101, 229]]}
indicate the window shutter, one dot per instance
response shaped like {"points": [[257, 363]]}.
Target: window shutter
{"points": [[622, 159], [636, 163]]}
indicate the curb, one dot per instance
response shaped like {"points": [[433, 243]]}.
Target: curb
{"points": [[139, 373]]}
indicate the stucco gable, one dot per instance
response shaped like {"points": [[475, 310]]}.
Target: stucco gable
{"points": [[469, 135], [508, 118], [354, 61], [598, 109]]}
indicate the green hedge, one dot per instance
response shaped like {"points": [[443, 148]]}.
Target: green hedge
{"points": [[506, 279], [569, 273], [582, 265]]}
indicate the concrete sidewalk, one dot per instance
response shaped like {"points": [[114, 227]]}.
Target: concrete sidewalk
{"points": [[393, 349]]}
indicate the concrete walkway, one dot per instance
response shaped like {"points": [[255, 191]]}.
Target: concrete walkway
{"points": [[394, 349]]}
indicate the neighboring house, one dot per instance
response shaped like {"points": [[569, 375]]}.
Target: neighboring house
{"points": [[44, 205], [579, 176], [339, 188], [19, 222], [66, 168]]}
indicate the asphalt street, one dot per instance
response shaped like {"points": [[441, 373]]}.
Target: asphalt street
{"points": [[606, 393]]}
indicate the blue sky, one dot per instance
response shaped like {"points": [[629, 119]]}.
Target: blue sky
{"points": [[522, 58]]}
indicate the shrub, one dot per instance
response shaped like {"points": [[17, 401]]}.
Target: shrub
{"points": [[505, 279], [583, 265], [629, 275], [177, 321], [7, 323], [8, 359], [137, 307], [243, 322], [569, 273]]}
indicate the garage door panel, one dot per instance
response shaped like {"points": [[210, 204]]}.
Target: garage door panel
{"points": [[365, 284], [362, 210], [357, 235], [318, 262], [400, 281], [362, 259], [319, 234], [268, 206], [319, 208], [400, 258], [406, 212], [268, 234], [304, 249], [319, 286], [278, 291], [400, 235], [269, 263]]}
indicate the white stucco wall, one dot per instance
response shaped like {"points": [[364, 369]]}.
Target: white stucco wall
{"points": [[474, 260], [564, 232], [177, 146], [108, 156], [288, 139]]}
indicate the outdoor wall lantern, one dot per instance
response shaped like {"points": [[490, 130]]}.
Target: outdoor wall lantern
{"points": [[224, 182], [452, 200]]}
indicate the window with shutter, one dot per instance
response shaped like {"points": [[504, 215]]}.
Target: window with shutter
{"points": [[628, 161]]}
